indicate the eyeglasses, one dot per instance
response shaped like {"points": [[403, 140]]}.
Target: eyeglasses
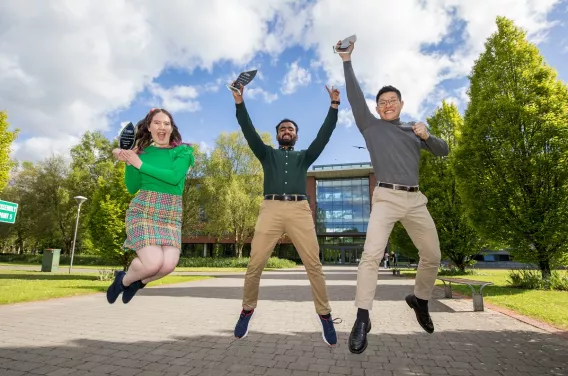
{"points": [[391, 102]]}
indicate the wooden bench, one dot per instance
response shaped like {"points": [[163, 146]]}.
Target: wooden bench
{"points": [[476, 296]]}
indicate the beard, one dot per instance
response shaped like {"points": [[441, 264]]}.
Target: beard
{"points": [[290, 142]]}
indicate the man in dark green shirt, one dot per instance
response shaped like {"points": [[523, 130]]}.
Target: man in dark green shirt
{"points": [[285, 209]]}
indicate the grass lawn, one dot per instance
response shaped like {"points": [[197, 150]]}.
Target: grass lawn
{"points": [[25, 286], [547, 306]]}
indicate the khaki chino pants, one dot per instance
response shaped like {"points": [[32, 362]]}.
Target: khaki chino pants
{"points": [[388, 207], [295, 219]]}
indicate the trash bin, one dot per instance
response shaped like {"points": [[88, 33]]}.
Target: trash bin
{"points": [[50, 260]]}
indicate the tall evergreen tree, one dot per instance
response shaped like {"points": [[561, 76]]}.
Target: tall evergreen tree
{"points": [[459, 242], [511, 162]]}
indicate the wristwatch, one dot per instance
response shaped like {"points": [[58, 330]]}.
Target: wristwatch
{"points": [[336, 102]]}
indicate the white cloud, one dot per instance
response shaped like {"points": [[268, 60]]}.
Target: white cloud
{"points": [[30, 148], [296, 77], [211, 87], [463, 97], [255, 92], [176, 98], [94, 57], [205, 147], [453, 100], [390, 46], [345, 115]]}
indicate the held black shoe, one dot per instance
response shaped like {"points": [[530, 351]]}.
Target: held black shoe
{"points": [[422, 314], [358, 336]]}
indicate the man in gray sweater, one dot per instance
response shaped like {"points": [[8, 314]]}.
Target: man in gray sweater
{"points": [[394, 148]]}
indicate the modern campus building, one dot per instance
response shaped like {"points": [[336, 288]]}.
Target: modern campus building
{"points": [[340, 198]]}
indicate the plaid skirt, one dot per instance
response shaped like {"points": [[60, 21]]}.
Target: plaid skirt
{"points": [[153, 218]]}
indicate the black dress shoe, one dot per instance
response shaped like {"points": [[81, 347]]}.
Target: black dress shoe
{"points": [[358, 336], [422, 314]]}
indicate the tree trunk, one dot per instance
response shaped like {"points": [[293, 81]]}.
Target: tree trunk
{"points": [[240, 247], [544, 265], [459, 261], [461, 267]]}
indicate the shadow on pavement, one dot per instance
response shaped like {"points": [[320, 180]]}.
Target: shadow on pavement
{"points": [[291, 293], [483, 353]]}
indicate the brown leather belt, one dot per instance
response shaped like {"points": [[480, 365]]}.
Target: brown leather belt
{"points": [[399, 187]]}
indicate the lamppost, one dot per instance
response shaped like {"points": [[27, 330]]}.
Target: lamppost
{"points": [[80, 200]]}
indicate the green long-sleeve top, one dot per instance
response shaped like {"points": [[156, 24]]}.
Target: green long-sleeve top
{"points": [[285, 170], [163, 170]]}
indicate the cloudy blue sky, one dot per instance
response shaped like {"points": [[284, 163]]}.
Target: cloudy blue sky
{"points": [[70, 66]]}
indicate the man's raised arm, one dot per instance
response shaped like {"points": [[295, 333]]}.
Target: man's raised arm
{"points": [[361, 113], [254, 141], [324, 134]]}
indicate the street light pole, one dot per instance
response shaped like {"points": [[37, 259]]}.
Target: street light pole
{"points": [[80, 200]]}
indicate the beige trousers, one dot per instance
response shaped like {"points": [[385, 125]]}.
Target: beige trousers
{"points": [[295, 219], [389, 206]]}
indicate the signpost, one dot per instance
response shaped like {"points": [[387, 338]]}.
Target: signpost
{"points": [[8, 211]]}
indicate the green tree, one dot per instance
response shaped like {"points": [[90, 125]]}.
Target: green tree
{"points": [[193, 209], [91, 159], [459, 242], [21, 191], [232, 189], [56, 209], [401, 243], [106, 219], [511, 160], [6, 139]]}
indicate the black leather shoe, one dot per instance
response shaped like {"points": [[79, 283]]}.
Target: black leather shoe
{"points": [[422, 314], [358, 336]]}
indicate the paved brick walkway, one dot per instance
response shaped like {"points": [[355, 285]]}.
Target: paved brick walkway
{"points": [[186, 329]]}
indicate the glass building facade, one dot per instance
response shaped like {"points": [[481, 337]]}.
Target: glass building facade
{"points": [[342, 205], [340, 201]]}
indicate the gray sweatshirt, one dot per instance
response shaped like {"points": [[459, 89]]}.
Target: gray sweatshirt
{"points": [[392, 145]]}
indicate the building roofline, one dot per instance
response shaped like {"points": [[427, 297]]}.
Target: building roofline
{"points": [[343, 170]]}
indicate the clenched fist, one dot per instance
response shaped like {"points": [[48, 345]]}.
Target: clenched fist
{"points": [[421, 131]]}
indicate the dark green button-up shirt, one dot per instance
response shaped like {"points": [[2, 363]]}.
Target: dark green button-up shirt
{"points": [[285, 170]]}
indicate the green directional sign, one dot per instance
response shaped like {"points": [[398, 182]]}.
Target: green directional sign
{"points": [[8, 211]]}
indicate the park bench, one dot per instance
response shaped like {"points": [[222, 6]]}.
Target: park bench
{"points": [[476, 296]]}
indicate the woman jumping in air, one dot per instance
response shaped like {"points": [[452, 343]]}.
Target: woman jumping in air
{"points": [[156, 169]]}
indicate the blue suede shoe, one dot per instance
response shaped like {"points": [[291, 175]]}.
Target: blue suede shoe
{"points": [[131, 290], [242, 327], [115, 288], [328, 329]]}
